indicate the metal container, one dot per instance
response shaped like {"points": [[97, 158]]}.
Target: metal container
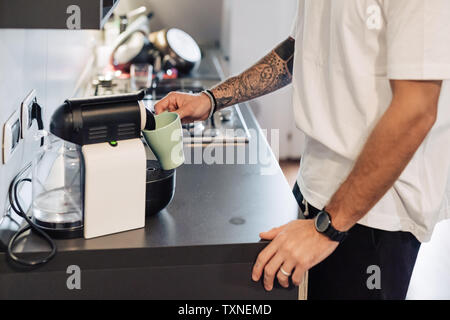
{"points": [[178, 49]]}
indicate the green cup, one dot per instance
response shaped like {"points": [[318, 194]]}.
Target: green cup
{"points": [[166, 141]]}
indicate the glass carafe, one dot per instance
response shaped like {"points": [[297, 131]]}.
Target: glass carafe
{"points": [[58, 174]]}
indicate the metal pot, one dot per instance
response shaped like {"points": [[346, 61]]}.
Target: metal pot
{"points": [[133, 46], [178, 48]]}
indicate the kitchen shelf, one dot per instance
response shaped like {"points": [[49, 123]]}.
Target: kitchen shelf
{"points": [[54, 14]]}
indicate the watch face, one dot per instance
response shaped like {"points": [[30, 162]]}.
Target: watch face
{"points": [[322, 222]]}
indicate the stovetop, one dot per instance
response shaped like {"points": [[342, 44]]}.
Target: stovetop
{"points": [[227, 125]]}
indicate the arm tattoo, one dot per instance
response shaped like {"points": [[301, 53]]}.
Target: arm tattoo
{"points": [[271, 73]]}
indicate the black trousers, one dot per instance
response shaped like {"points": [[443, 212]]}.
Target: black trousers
{"points": [[370, 264]]}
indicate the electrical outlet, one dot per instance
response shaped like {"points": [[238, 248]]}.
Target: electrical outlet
{"points": [[26, 112], [11, 136]]}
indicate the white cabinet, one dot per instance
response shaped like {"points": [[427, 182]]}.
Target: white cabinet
{"points": [[55, 14]]}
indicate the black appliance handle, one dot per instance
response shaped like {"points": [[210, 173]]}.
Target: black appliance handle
{"points": [[100, 119]]}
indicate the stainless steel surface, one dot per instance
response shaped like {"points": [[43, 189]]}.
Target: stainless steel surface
{"points": [[227, 126]]}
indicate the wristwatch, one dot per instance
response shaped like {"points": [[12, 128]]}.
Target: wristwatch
{"points": [[323, 225]]}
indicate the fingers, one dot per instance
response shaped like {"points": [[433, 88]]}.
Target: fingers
{"points": [[297, 277], [263, 257], [190, 107], [271, 234], [171, 103], [270, 270], [181, 113], [163, 105], [283, 279]]}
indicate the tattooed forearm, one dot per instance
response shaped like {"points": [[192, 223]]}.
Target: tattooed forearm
{"points": [[271, 73]]}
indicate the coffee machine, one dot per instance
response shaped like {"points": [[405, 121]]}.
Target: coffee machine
{"points": [[104, 152]]}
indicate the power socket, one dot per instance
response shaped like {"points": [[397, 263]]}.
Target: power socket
{"points": [[26, 112], [11, 136]]}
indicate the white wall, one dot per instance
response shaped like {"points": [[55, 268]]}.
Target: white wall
{"points": [[48, 61], [251, 29]]}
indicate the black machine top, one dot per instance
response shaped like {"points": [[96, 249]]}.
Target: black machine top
{"points": [[100, 119]]}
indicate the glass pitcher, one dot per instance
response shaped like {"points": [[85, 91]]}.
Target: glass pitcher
{"points": [[58, 188]]}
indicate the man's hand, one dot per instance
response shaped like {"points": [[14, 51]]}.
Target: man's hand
{"points": [[296, 247], [190, 107], [271, 73]]}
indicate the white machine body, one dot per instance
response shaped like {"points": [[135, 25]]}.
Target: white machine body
{"points": [[115, 186]]}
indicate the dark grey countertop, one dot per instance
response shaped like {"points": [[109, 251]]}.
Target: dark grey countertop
{"points": [[214, 204], [202, 246], [214, 219], [218, 204]]}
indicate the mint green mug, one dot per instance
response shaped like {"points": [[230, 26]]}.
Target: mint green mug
{"points": [[166, 141]]}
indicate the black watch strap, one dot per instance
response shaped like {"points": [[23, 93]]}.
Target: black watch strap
{"points": [[324, 225], [335, 235]]}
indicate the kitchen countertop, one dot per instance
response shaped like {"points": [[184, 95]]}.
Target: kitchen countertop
{"points": [[217, 204], [215, 217]]}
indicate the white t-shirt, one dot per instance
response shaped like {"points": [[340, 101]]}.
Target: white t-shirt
{"points": [[346, 52]]}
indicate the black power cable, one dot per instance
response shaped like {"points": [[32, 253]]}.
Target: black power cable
{"points": [[15, 205], [36, 113]]}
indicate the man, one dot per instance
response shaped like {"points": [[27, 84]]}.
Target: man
{"points": [[367, 78]]}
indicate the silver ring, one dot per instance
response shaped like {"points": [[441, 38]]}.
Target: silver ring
{"points": [[287, 274]]}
